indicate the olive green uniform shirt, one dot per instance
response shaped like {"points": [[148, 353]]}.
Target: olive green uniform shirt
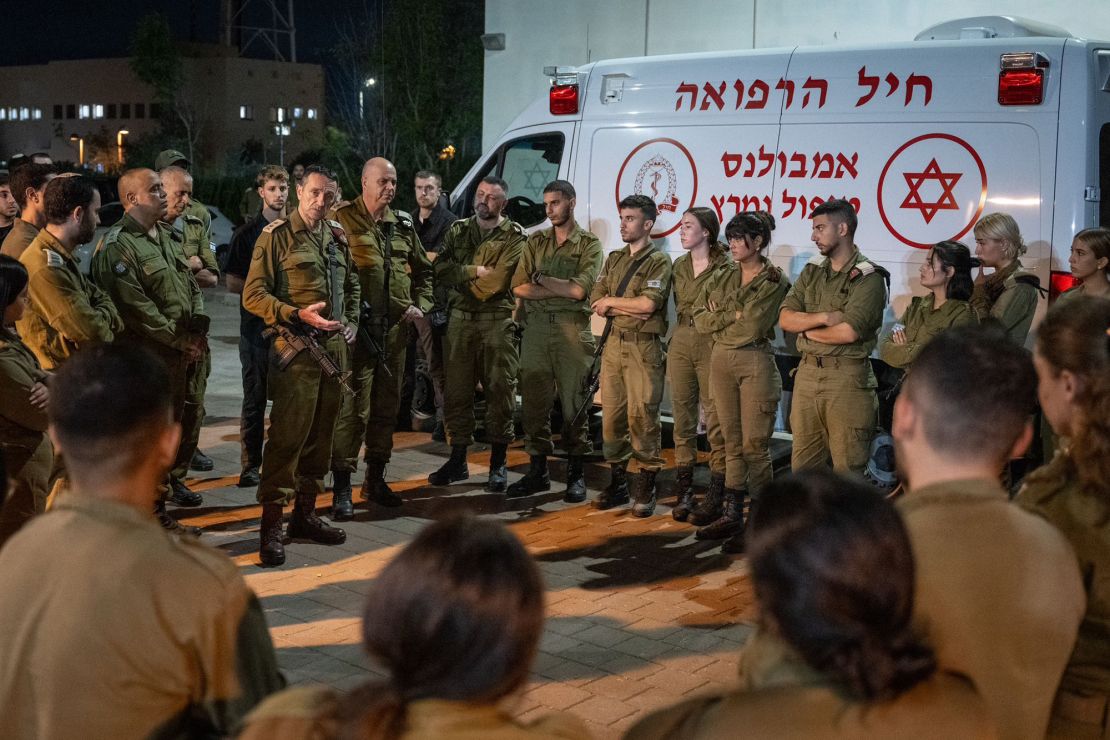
{"points": [[998, 596], [306, 712], [922, 323], [196, 240], [652, 279], [858, 290], [690, 289], [578, 259], [19, 238], [757, 304], [67, 310], [150, 283], [465, 247], [410, 270], [1053, 492], [160, 636], [1010, 296], [289, 270], [20, 421]]}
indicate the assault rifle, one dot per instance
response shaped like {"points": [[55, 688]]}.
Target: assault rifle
{"points": [[592, 381], [366, 336], [300, 338]]}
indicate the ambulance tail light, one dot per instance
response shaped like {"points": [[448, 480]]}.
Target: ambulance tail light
{"points": [[563, 98], [1021, 79], [1059, 282]]}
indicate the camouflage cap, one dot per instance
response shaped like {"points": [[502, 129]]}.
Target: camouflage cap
{"points": [[169, 157]]}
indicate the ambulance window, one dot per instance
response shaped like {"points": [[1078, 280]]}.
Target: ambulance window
{"points": [[527, 165], [1104, 175]]}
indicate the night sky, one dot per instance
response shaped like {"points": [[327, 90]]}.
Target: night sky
{"points": [[37, 32]]}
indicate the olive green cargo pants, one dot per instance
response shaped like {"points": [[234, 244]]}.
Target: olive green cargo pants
{"points": [[833, 413], [479, 347], [631, 391], [555, 357], [688, 358], [746, 389]]}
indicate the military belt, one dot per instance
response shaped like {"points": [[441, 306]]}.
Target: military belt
{"points": [[562, 317], [1085, 708], [481, 315], [833, 361], [636, 336]]}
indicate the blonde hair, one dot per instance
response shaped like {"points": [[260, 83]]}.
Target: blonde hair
{"points": [[1003, 227]]}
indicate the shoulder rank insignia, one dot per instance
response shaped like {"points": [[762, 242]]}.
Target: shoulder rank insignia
{"points": [[273, 225], [517, 228], [191, 218], [337, 231], [817, 260], [53, 259], [774, 274], [404, 219], [110, 237]]}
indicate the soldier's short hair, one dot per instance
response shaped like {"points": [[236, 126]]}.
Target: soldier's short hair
{"points": [[645, 204], [839, 209], [5, 180], [429, 175], [271, 172], [319, 169], [495, 180], [63, 194], [32, 176], [105, 400], [562, 187], [975, 390]]}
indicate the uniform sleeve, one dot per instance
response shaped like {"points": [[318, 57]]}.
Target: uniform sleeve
{"points": [[66, 307], [352, 290], [422, 276], [864, 309], [527, 264], [795, 298], [1014, 307], [601, 285], [497, 281], [656, 284], [589, 265], [901, 355], [721, 292], [103, 304], [139, 313], [258, 290], [202, 235], [449, 270], [17, 376]]}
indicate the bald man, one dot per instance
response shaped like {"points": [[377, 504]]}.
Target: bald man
{"points": [[397, 295], [141, 268]]}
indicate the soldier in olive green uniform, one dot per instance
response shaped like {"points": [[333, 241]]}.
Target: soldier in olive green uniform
{"points": [[28, 184], [740, 310], [301, 274], [479, 258], [1009, 294], [396, 296], [921, 322], [836, 309], [688, 355], [556, 271], [632, 361], [140, 267]]}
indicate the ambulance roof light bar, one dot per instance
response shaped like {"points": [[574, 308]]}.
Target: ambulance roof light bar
{"points": [[990, 27], [563, 96], [1021, 78]]}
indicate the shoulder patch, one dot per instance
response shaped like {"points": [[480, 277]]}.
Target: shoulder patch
{"points": [[774, 273], [817, 259], [120, 268], [653, 284], [53, 259], [109, 238], [404, 219], [273, 225], [191, 218], [517, 228], [337, 231], [866, 267]]}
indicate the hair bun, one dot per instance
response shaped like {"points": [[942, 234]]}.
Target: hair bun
{"points": [[766, 218]]}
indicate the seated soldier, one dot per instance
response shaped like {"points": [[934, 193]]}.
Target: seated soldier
{"points": [[110, 626]]}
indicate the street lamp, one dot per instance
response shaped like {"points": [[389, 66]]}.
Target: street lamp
{"points": [[366, 84], [119, 145], [80, 148]]}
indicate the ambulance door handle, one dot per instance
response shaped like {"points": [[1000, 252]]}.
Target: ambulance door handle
{"points": [[1092, 194], [612, 87]]}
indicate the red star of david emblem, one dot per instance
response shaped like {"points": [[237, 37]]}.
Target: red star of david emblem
{"points": [[947, 199]]}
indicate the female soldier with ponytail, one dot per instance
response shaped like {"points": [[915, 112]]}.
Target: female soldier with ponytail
{"points": [[740, 311], [1072, 357], [1009, 294], [847, 663]]}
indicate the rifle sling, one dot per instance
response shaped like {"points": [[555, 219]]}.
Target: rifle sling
{"points": [[632, 270]]}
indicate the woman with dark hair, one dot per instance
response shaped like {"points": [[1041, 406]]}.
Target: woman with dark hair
{"points": [[455, 620], [1072, 357], [1090, 264], [834, 576], [740, 312], [688, 361], [946, 273], [23, 397], [1009, 294]]}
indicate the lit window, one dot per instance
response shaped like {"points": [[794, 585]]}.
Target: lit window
{"points": [[312, 113], [24, 114], [83, 111], [13, 114], [3, 114], [281, 130], [37, 114], [98, 111], [246, 112], [297, 112]]}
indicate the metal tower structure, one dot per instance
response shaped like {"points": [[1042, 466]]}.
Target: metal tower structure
{"points": [[243, 25]]}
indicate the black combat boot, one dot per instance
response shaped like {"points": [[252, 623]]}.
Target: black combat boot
{"points": [[342, 509], [731, 521], [201, 463], [536, 480], [576, 481], [453, 470], [498, 473], [180, 494], [709, 510], [684, 492], [304, 524], [643, 493], [172, 525], [375, 489], [271, 548], [616, 493]]}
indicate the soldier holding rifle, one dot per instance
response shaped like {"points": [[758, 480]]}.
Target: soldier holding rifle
{"points": [[303, 283]]}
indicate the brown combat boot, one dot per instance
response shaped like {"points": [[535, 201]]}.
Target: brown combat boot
{"points": [[170, 524], [304, 523], [616, 493], [643, 493], [271, 547], [684, 492], [709, 510], [731, 521]]}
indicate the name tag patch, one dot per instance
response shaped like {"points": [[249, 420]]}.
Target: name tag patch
{"points": [[653, 284]]}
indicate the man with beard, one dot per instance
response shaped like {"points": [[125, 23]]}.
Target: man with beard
{"points": [[395, 279], [9, 209], [27, 184]]}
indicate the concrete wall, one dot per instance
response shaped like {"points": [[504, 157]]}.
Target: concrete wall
{"points": [[573, 32]]}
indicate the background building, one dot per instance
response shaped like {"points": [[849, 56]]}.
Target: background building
{"points": [[573, 32], [63, 107]]}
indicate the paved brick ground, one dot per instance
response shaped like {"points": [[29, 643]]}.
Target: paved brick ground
{"points": [[640, 614]]}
